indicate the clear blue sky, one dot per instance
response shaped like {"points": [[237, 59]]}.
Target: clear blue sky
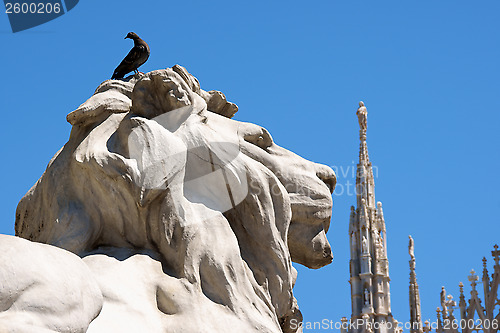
{"points": [[428, 72]]}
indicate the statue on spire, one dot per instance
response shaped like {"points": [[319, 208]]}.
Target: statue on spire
{"points": [[369, 265], [364, 245], [415, 306], [411, 248], [362, 114]]}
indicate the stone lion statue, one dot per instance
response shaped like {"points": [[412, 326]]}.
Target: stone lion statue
{"points": [[185, 219]]}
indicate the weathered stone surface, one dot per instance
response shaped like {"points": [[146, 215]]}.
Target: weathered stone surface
{"points": [[156, 301], [45, 289], [216, 100], [218, 210]]}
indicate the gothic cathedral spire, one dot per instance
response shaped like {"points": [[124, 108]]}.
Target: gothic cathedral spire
{"points": [[369, 266], [415, 312]]}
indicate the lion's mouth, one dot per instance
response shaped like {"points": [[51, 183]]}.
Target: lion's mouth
{"points": [[307, 234], [309, 225]]}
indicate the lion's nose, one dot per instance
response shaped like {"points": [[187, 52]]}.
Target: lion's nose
{"points": [[327, 175]]}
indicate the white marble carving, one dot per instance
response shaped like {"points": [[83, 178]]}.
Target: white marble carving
{"points": [[187, 219]]}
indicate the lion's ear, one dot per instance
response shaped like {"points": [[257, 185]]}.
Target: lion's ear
{"points": [[256, 135]]}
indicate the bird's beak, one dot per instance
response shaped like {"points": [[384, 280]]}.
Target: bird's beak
{"points": [[125, 37]]}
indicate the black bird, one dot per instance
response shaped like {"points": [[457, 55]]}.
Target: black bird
{"points": [[135, 58]]}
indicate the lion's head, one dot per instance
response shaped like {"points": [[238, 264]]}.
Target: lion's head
{"points": [[155, 163]]}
